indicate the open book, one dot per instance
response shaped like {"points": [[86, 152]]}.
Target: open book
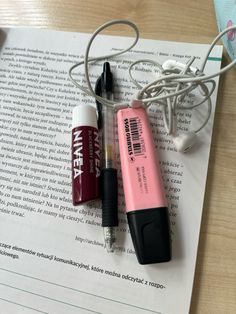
{"points": [[52, 255]]}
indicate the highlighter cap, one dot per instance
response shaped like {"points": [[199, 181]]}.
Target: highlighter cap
{"points": [[149, 230]]}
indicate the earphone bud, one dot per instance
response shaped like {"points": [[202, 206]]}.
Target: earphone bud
{"points": [[172, 64], [184, 141]]}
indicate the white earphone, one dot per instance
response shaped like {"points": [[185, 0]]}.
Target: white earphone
{"points": [[172, 64], [183, 141]]}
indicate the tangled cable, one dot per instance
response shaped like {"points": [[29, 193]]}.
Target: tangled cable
{"points": [[174, 82]]}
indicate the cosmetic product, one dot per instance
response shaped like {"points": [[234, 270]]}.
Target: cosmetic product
{"points": [[85, 154], [146, 204]]}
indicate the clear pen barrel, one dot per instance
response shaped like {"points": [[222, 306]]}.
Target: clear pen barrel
{"points": [[108, 133]]}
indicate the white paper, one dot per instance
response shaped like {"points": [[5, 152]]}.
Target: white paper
{"points": [[52, 256]]}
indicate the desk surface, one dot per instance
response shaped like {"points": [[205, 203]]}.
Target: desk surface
{"points": [[192, 21]]}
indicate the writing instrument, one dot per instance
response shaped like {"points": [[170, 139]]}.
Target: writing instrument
{"points": [[146, 204], [109, 186]]}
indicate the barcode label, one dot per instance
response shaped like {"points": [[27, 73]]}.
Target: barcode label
{"points": [[134, 129], [135, 136], [137, 148]]}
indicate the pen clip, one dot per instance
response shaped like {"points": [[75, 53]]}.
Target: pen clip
{"points": [[98, 92]]}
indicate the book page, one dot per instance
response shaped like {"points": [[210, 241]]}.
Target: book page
{"points": [[52, 254]]}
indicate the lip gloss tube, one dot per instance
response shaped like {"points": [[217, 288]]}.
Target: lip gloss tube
{"points": [[85, 154], [146, 205]]}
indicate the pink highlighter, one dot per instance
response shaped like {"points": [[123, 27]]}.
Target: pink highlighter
{"points": [[146, 205]]}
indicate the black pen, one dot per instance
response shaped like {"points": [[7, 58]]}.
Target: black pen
{"points": [[109, 186]]}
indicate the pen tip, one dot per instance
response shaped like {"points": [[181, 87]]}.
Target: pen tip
{"points": [[110, 247], [109, 239], [106, 67]]}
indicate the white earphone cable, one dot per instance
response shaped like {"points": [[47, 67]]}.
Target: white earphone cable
{"points": [[172, 85], [86, 60]]}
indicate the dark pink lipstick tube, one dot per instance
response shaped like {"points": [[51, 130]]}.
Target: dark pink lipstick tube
{"points": [[146, 204], [85, 154]]}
